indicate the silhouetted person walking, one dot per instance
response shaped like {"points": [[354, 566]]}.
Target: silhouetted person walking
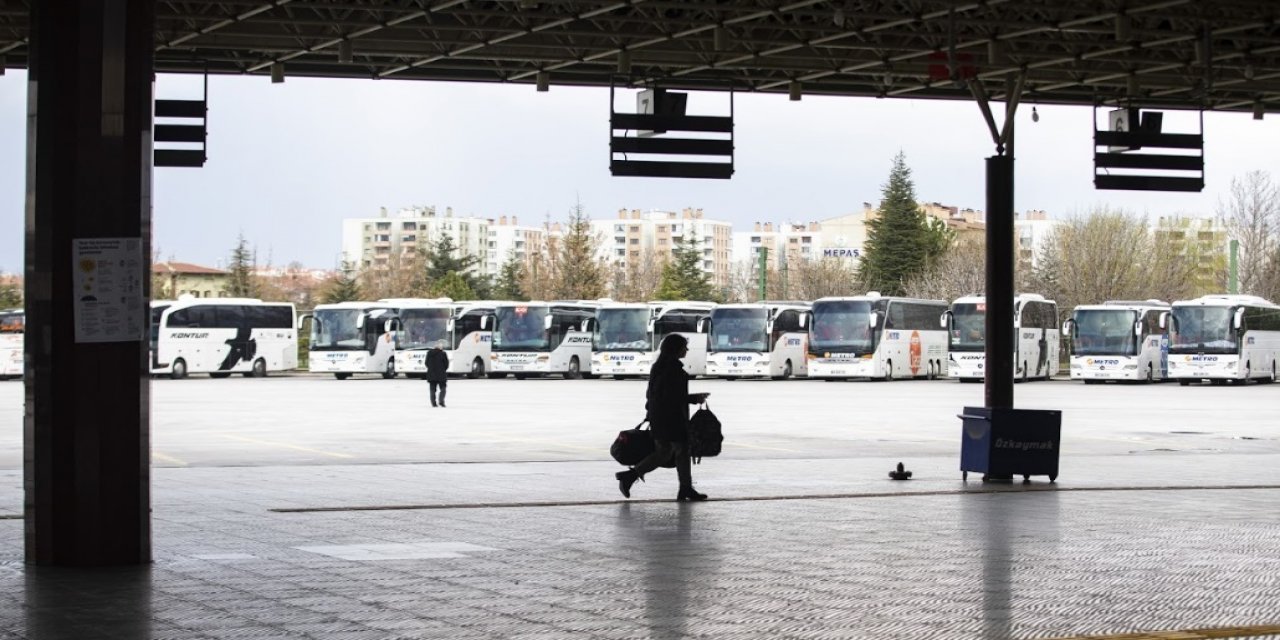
{"points": [[437, 373], [667, 409]]}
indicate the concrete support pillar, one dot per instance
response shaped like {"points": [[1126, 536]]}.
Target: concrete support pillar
{"points": [[87, 419], [999, 318]]}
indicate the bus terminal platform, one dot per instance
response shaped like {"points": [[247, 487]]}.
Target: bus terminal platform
{"points": [[1149, 546]]}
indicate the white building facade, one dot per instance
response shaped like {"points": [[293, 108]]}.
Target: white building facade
{"points": [[375, 242], [634, 234]]}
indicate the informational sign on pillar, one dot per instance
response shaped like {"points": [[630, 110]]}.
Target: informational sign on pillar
{"points": [[108, 289]]}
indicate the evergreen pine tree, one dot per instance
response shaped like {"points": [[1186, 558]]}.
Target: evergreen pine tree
{"points": [[343, 288], [582, 277], [508, 286], [683, 277], [442, 258], [899, 241], [242, 283], [454, 287]]}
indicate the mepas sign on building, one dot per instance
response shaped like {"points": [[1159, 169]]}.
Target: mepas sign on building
{"points": [[842, 252]]}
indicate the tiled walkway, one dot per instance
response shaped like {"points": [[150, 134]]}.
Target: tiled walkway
{"points": [[785, 549]]}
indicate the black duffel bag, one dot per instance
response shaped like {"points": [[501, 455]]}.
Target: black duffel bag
{"points": [[633, 445]]}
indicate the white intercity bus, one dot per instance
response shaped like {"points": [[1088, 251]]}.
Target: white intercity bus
{"points": [[762, 339], [421, 323], [877, 337], [1118, 340], [542, 338], [1223, 338], [13, 325], [1035, 349], [351, 337], [222, 336], [627, 336]]}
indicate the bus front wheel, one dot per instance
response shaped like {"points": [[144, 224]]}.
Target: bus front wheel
{"points": [[342, 376], [179, 370], [888, 371], [573, 373], [259, 369], [391, 370], [477, 369], [786, 371], [1151, 374]]}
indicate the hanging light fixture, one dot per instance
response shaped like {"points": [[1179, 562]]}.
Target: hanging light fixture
{"points": [[1258, 109], [1035, 115], [543, 81], [345, 52], [624, 62], [794, 90], [277, 72]]}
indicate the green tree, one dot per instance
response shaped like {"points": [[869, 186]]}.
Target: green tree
{"points": [[900, 241], [453, 286], [343, 287], [10, 293], [242, 283], [581, 275], [683, 277], [509, 285], [444, 257]]}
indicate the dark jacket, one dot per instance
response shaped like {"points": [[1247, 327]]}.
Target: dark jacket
{"points": [[667, 401], [437, 365]]}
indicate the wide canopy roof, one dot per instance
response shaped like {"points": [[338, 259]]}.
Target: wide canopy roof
{"points": [[1188, 54]]}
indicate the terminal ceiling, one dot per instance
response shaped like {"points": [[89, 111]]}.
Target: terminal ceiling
{"points": [[1183, 54]]}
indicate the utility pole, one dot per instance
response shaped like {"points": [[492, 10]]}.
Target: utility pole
{"points": [[764, 271]]}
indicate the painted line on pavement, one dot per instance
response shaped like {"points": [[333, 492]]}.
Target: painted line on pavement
{"points": [[285, 446], [1188, 634], [986, 490]]}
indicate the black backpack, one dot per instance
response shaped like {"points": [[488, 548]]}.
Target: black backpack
{"points": [[705, 436]]}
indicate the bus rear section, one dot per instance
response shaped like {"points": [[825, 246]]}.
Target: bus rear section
{"points": [[1036, 347], [534, 339], [877, 338], [222, 336], [13, 327], [762, 340], [1223, 338], [348, 338], [1118, 341]]}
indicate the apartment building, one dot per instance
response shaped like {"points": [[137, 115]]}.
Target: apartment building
{"points": [[508, 238], [374, 242], [173, 279], [635, 233], [1204, 240], [796, 241]]}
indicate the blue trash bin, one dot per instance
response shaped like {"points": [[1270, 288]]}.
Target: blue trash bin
{"points": [[1010, 442]]}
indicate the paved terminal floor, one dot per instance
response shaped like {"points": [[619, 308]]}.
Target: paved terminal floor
{"points": [[300, 507]]}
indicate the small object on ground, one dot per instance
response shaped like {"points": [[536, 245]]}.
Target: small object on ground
{"points": [[900, 473]]}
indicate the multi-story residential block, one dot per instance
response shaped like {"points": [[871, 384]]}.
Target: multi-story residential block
{"points": [[796, 241], [635, 234], [375, 242], [509, 239], [1030, 231], [1203, 240]]}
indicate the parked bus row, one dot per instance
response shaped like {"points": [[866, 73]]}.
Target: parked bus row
{"points": [[13, 324], [1216, 338]]}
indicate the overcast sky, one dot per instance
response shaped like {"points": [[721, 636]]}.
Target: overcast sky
{"points": [[288, 162]]}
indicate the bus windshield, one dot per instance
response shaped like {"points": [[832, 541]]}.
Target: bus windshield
{"points": [[156, 313], [521, 328], [423, 328], [1202, 329], [623, 329], [842, 326], [336, 330], [739, 330], [1102, 332], [969, 326]]}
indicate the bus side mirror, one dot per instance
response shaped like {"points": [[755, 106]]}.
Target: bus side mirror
{"points": [[449, 325], [873, 319], [768, 327], [804, 321], [360, 321], [546, 323], [484, 323], [1068, 327], [302, 319], [1137, 328], [1164, 319], [1238, 321], [944, 320], [702, 325], [390, 326]]}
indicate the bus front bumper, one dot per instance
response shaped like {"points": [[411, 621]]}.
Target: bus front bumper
{"points": [[620, 364], [520, 363], [1205, 367], [737, 366], [337, 362], [841, 368]]}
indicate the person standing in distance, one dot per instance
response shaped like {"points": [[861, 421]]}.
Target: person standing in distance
{"points": [[437, 373], [667, 409]]}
